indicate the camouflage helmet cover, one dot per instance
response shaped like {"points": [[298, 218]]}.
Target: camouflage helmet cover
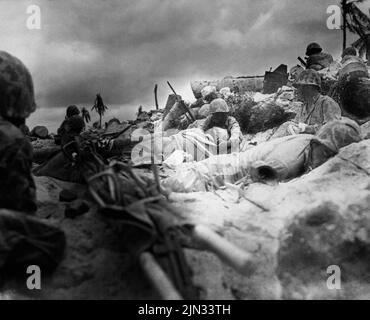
{"points": [[16, 88], [308, 77], [339, 133], [218, 105]]}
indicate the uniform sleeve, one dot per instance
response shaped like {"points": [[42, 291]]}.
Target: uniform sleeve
{"points": [[234, 129], [207, 123], [298, 118], [331, 110], [17, 190]]}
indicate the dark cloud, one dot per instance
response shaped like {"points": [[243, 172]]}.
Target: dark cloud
{"points": [[121, 48]]}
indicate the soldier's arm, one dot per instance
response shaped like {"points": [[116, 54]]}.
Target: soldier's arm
{"points": [[234, 127], [207, 123], [19, 191], [331, 110]]}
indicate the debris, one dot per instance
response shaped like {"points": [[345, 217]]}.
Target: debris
{"points": [[171, 100], [67, 196], [275, 79], [76, 208], [236, 84]]}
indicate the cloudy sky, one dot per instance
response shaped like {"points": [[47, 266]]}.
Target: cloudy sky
{"points": [[121, 48]]}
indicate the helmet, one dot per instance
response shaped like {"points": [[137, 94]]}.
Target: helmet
{"points": [[72, 111], [16, 88], [350, 51], [207, 90], [218, 105], [313, 48], [339, 133], [204, 111], [308, 77], [295, 72]]}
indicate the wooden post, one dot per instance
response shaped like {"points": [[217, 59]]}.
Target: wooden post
{"points": [[156, 96], [344, 17]]}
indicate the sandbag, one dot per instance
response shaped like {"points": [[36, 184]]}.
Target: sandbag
{"points": [[26, 240]]}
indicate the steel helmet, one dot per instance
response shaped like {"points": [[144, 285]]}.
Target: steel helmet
{"points": [[308, 77], [207, 90], [339, 133], [72, 111], [218, 105], [350, 51], [16, 88], [313, 48], [204, 111]]}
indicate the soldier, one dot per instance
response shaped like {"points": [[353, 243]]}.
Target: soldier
{"points": [[317, 60], [17, 188], [24, 240], [71, 127], [219, 117], [317, 109]]}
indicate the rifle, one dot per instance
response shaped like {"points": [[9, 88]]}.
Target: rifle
{"points": [[302, 61], [182, 102]]}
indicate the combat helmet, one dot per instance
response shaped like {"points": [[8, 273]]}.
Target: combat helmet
{"points": [[350, 51], [17, 99], [218, 105], [339, 133], [313, 48], [308, 77], [72, 111]]}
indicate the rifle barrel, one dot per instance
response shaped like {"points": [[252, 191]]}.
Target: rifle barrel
{"points": [[302, 61], [173, 90], [177, 98]]}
